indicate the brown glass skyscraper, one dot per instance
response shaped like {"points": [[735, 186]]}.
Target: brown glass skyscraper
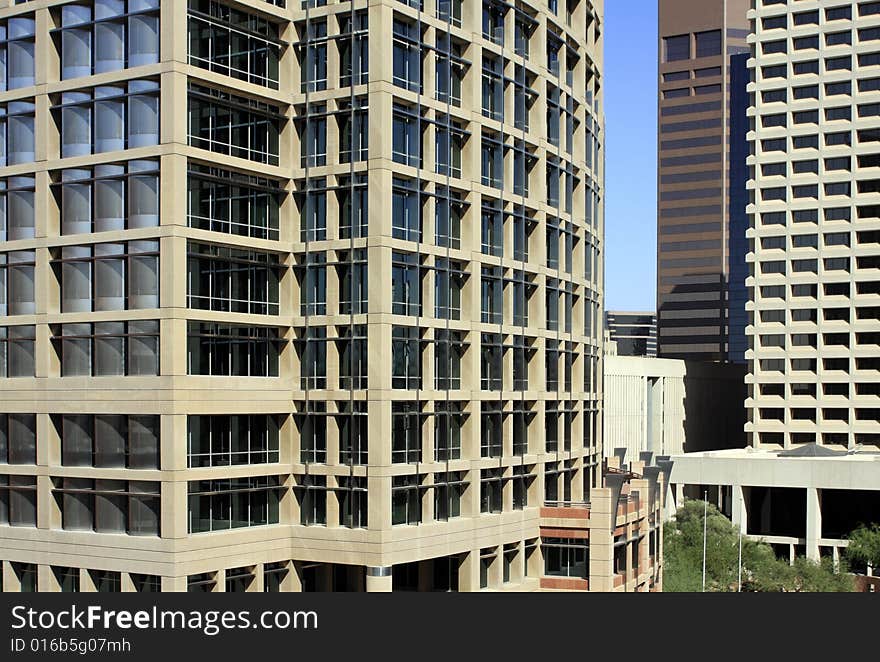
{"points": [[700, 46]]}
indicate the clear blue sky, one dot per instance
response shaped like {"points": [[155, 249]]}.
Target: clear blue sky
{"points": [[631, 154]]}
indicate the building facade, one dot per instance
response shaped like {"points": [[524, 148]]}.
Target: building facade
{"points": [[619, 533], [811, 473], [815, 218], [297, 296], [701, 99], [671, 406], [634, 333]]}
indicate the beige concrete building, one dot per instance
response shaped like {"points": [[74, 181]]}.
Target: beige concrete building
{"points": [[801, 502], [670, 406], [815, 260], [297, 296]]}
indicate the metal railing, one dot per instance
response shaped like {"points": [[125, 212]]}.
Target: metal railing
{"points": [[566, 504]]}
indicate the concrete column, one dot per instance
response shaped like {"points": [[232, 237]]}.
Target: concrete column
{"points": [[814, 523], [48, 512], [332, 508], [258, 585], [603, 515], [379, 579], [469, 572], [174, 509], [10, 581], [173, 451], [86, 582], [46, 581], [173, 43], [739, 512], [174, 584]]}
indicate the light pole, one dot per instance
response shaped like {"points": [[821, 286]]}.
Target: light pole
{"points": [[739, 575], [705, 516]]}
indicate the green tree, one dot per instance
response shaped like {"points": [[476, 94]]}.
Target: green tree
{"points": [[864, 546], [761, 570]]}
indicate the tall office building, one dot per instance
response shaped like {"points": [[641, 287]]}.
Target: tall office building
{"points": [[634, 333], [812, 472], [815, 231], [701, 194], [220, 371]]}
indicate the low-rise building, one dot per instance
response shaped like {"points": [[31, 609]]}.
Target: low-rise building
{"points": [[671, 406]]}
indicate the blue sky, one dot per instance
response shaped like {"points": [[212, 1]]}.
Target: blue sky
{"points": [[631, 154]]}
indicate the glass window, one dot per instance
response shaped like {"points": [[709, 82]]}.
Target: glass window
{"points": [[109, 348], [238, 126], [233, 42], [406, 433], [448, 350], [406, 500], [234, 280], [17, 142], [17, 351], [17, 62], [228, 202], [406, 360], [406, 210], [406, 137], [407, 56], [17, 216], [353, 50], [18, 503], [676, 48], [216, 505], [313, 57]]}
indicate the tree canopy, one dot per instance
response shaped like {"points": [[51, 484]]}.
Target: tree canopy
{"points": [[762, 571], [864, 546]]}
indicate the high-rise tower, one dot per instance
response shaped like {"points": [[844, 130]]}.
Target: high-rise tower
{"points": [[815, 216], [701, 194], [297, 295]]}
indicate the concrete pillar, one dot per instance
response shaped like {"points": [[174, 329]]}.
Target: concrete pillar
{"points": [[174, 513], [379, 579], [258, 585], [46, 581], [603, 516], [10, 581], [173, 584], [739, 512], [469, 577], [814, 523]]}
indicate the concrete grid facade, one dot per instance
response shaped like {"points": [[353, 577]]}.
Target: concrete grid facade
{"points": [[815, 254], [297, 297]]}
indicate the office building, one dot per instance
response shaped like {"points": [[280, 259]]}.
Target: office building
{"points": [[811, 473], [701, 193], [815, 259], [634, 333], [298, 295]]}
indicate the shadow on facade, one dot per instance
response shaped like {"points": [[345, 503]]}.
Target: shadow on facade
{"points": [[714, 406]]}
